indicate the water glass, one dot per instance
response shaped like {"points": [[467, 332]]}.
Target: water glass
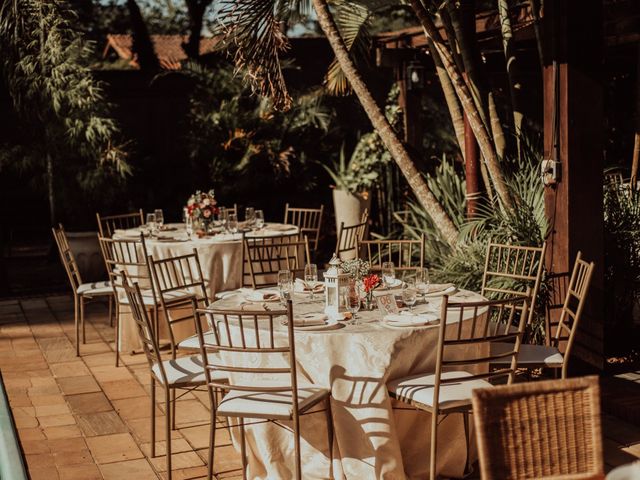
{"points": [[232, 222], [409, 294], [285, 285], [223, 217], [311, 277], [159, 218], [388, 273], [259, 219], [353, 299], [151, 223], [249, 216], [422, 282], [189, 226]]}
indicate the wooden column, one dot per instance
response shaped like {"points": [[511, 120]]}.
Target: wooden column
{"points": [[573, 135]]}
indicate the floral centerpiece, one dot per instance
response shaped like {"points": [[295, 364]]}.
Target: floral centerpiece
{"points": [[201, 207], [359, 270]]}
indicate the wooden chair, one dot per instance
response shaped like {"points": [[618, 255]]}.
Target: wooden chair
{"points": [[512, 269], [269, 390], [81, 291], [538, 356], [308, 220], [406, 255], [129, 256], [184, 373], [462, 360], [265, 256], [107, 224], [350, 235], [540, 430]]}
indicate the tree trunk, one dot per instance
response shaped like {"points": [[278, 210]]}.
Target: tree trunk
{"points": [[535, 13], [512, 67], [196, 9], [50, 190], [383, 128], [142, 44], [636, 144], [484, 141]]}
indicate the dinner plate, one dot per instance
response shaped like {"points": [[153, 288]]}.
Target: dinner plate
{"points": [[447, 291], [413, 321], [259, 296], [331, 324], [395, 283]]}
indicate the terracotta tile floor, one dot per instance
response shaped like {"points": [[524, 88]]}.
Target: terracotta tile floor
{"points": [[82, 418]]}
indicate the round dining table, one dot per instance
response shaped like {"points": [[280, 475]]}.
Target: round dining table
{"points": [[374, 436], [220, 257]]}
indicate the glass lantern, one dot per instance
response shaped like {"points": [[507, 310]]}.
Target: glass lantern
{"points": [[334, 281]]}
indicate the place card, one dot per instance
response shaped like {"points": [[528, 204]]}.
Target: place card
{"points": [[387, 304]]}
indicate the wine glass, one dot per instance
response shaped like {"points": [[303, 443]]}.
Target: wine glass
{"points": [[249, 216], [189, 226], [232, 222], [159, 218], [311, 277], [259, 219], [151, 223], [285, 285], [409, 293], [352, 299], [422, 282], [223, 217], [388, 273]]}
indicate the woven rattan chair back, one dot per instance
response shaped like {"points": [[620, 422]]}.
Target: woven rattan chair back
{"points": [[175, 280], [264, 257], [512, 269], [406, 255], [539, 430], [350, 235], [67, 257], [572, 308], [308, 220], [110, 223], [143, 325], [466, 343]]}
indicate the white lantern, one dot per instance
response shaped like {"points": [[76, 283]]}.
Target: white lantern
{"points": [[334, 281]]}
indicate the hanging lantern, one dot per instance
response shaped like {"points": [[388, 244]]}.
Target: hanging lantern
{"points": [[334, 281], [415, 75]]}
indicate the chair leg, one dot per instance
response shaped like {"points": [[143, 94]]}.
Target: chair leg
{"points": [[117, 334], [296, 440], [84, 331], [243, 449], [111, 310], [212, 435], [167, 399], [153, 417], [330, 433], [434, 439], [76, 315], [467, 439], [173, 409]]}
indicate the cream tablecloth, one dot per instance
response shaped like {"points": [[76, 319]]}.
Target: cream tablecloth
{"points": [[374, 437], [220, 258]]}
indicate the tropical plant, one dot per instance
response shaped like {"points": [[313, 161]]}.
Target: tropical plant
{"points": [[44, 60]]}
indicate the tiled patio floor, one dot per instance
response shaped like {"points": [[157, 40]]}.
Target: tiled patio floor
{"points": [[82, 418]]}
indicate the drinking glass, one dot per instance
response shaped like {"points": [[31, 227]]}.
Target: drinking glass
{"points": [[249, 216], [259, 219], [189, 226], [159, 218], [232, 222], [353, 299], [409, 293], [285, 285], [151, 223], [388, 273], [422, 283], [223, 217], [311, 277]]}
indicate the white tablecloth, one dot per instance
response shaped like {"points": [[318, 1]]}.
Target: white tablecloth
{"points": [[372, 439], [220, 258]]}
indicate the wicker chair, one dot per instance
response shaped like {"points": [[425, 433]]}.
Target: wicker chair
{"points": [[462, 361], [81, 291], [546, 430], [107, 224], [349, 236], [308, 220], [279, 396], [406, 255], [537, 356]]}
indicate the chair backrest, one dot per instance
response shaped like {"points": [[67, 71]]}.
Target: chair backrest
{"points": [[246, 338], [406, 255], [308, 220], [107, 224], [232, 210], [143, 324], [542, 430], [177, 278], [350, 235], [465, 335], [67, 257], [264, 257], [573, 306], [126, 256], [512, 269]]}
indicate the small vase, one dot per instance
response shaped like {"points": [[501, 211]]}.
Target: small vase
{"points": [[368, 302]]}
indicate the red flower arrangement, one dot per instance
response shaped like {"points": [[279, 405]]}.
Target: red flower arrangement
{"points": [[371, 282]]}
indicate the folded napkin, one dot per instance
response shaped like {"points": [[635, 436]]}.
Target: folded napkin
{"points": [[310, 320], [278, 227], [263, 296], [440, 287], [406, 319], [302, 287]]}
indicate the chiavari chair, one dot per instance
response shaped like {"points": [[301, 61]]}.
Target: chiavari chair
{"points": [[406, 255], [107, 224], [264, 257], [350, 235], [308, 220]]}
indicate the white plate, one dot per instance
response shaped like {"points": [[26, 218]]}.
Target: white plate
{"points": [[258, 296], [413, 321], [395, 283], [447, 291], [331, 324]]}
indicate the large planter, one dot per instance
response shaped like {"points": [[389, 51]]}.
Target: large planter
{"points": [[86, 250], [349, 207]]}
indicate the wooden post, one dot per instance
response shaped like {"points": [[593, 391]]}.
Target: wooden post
{"points": [[573, 135]]}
